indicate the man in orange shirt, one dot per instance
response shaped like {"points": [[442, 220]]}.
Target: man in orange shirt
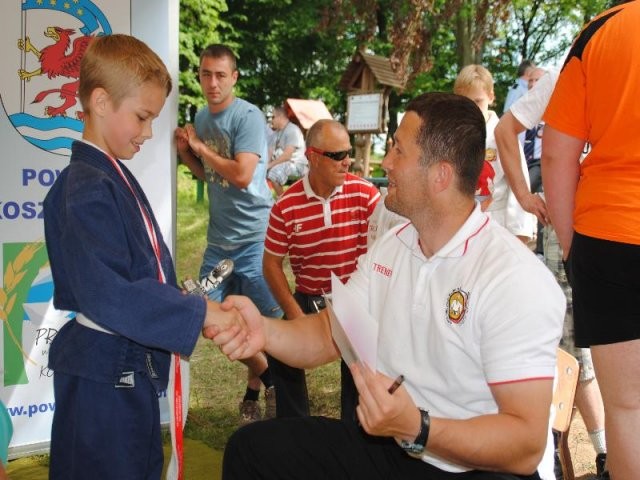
{"points": [[595, 210]]}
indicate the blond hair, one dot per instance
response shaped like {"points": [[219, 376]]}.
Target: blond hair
{"points": [[119, 64], [473, 75]]}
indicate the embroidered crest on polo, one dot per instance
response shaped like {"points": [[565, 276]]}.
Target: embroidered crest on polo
{"points": [[457, 304]]}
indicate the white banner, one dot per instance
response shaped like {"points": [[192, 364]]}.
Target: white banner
{"points": [[42, 41]]}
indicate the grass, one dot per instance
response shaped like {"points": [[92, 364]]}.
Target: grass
{"points": [[217, 385]]}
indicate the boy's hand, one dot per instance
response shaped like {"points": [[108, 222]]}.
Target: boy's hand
{"points": [[217, 320]]}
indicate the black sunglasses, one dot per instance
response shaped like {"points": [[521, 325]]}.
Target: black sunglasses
{"points": [[337, 156]]}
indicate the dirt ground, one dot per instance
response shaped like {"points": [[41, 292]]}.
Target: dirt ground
{"points": [[582, 452]]}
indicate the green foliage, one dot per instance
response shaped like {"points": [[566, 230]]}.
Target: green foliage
{"points": [[445, 66], [300, 49], [539, 30], [285, 51]]}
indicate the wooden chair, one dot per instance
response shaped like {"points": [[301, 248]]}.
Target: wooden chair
{"points": [[563, 397]]}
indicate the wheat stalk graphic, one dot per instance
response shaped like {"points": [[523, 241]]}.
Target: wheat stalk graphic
{"points": [[13, 275]]}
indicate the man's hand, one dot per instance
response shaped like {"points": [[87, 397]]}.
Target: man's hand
{"points": [[182, 141], [382, 413], [534, 203], [186, 139], [242, 341], [195, 143]]}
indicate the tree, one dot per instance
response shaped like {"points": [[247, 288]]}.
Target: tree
{"points": [[538, 30], [301, 48], [476, 23], [405, 27], [288, 49]]}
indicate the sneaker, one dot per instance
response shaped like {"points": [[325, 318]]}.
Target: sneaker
{"points": [[601, 468], [270, 403], [249, 412]]}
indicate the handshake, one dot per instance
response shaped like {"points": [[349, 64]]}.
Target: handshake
{"points": [[225, 324]]}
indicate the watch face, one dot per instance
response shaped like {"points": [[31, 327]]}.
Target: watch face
{"points": [[412, 448]]}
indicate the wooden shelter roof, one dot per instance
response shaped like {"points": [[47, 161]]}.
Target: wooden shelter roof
{"points": [[379, 66], [306, 112]]}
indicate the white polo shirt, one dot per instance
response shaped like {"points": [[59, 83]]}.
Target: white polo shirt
{"points": [[481, 311]]}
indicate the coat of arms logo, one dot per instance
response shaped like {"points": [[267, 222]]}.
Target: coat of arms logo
{"points": [[40, 96]]}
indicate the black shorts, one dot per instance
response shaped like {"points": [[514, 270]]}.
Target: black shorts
{"points": [[606, 290]]}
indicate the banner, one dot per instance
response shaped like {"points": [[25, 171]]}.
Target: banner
{"points": [[41, 43]]}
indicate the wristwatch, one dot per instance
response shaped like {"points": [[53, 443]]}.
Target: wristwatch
{"points": [[416, 448]]}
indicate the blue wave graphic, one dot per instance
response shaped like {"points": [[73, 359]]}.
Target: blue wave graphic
{"points": [[45, 124], [51, 144], [40, 293], [73, 126]]}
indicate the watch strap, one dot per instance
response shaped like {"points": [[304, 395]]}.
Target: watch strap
{"points": [[418, 445]]}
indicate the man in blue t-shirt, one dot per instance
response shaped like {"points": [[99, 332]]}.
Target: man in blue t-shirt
{"points": [[228, 149], [521, 85]]}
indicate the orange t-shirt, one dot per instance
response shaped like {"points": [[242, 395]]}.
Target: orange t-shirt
{"points": [[597, 99]]}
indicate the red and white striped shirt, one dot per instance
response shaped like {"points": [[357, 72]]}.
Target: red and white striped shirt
{"points": [[321, 235]]}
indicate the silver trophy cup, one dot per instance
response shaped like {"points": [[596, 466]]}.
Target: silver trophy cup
{"points": [[209, 282]]}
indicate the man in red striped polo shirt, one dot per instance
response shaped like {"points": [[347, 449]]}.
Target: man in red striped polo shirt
{"points": [[321, 222]]}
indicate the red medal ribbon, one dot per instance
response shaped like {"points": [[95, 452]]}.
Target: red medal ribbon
{"points": [[177, 390]]}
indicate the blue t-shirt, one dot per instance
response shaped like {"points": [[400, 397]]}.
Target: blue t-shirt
{"points": [[516, 91], [236, 216]]}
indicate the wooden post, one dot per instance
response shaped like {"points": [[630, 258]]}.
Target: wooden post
{"points": [[363, 151], [363, 140]]}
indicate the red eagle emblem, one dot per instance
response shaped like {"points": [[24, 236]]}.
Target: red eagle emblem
{"points": [[54, 61]]}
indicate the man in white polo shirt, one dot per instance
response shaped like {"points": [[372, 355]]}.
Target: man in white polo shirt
{"points": [[457, 301]]}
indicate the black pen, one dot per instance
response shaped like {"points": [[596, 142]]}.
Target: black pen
{"points": [[396, 383]]}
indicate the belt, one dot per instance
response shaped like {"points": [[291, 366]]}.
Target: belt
{"points": [[310, 303], [86, 322]]}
